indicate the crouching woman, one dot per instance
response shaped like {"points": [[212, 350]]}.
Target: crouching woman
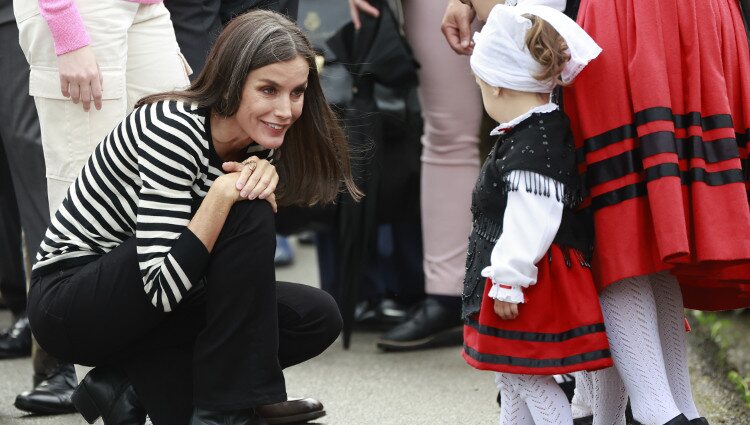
{"points": [[158, 267]]}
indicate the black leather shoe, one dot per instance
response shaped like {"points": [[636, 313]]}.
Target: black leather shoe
{"points": [[699, 421], [679, 420], [292, 411], [51, 396], [15, 342], [107, 393], [379, 316], [568, 385], [584, 420], [238, 417], [432, 325]]}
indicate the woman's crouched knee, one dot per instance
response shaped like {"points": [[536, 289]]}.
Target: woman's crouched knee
{"points": [[254, 216], [329, 311], [318, 316]]}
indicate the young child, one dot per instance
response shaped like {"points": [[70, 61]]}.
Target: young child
{"points": [[529, 303]]}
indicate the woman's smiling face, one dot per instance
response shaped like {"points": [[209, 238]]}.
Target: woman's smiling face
{"points": [[272, 100]]}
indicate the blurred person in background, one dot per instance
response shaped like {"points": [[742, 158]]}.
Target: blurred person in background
{"points": [[452, 113], [23, 190]]}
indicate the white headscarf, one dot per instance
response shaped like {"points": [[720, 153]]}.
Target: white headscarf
{"points": [[501, 58]]}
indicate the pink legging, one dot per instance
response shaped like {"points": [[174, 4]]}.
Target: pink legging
{"points": [[452, 112]]}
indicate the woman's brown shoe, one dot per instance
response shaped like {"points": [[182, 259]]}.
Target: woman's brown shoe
{"points": [[294, 410]]}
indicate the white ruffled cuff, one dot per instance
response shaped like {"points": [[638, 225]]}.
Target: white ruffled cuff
{"points": [[507, 293]]}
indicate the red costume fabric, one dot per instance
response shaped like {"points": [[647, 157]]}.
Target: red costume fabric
{"points": [[559, 329], [660, 121]]}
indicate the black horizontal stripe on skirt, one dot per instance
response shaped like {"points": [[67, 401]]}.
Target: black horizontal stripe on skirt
{"points": [[535, 336], [536, 363], [655, 143], [686, 148], [635, 190], [628, 131]]}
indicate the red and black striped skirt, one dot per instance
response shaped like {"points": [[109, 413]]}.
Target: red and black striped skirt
{"points": [[660, 121], [559, 328]]}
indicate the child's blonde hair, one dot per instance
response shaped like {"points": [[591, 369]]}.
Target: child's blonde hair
{"points": [[548, 48]]}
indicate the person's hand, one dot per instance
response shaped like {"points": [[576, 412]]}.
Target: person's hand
{"points": [[257, 177], [80, 79], [506, 310], [456, 26], [355, 6], [226, 187]]}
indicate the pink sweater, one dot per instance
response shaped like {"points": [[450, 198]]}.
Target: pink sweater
{"points": [[65, 23]]}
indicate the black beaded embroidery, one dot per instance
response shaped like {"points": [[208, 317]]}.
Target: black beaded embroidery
{"points": [[545, 165]]}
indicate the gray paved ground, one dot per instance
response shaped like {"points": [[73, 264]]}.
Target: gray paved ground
{"points": [[365, 387]]}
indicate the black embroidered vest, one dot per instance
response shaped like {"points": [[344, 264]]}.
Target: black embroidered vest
{"points": [[540, 149]]}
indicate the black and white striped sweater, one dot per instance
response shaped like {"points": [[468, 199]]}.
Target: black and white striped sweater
{"points": [[146, 179]]}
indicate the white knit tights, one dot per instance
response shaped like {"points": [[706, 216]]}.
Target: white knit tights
{"points": [[532, 399], [601, 393], [644, 320], [668, 298]]}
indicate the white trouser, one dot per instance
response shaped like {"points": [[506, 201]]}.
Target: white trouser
{"points": [[137, 53]]}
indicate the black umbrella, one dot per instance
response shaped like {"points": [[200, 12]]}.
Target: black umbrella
{"points": [[745, 7], [376, 53]]}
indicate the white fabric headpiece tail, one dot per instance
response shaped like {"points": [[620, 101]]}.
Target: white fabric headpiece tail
{"points": [[502, 59]]}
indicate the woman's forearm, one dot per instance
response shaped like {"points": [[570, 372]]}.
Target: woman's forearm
{"points": [[208, 221]]}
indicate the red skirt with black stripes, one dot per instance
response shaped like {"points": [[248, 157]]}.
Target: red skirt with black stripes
{"points": [[660, 120], [559, 328]]}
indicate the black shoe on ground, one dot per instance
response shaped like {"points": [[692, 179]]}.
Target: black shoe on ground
{"points": [[306, 238], [699, 421], [568, 385], [107, 393], [241, 417], [584, 420], [678, 420], [379, 316], [431, 325], [15, 342], [52, 396]]}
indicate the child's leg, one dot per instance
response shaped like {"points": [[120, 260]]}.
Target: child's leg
{"points": [[601, 394], [609, 397], [583, 398], [630, 316], [671, 315], [513, 409], [544, 400]]}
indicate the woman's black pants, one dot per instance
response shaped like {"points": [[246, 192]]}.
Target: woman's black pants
{"points": [[224, 345]]}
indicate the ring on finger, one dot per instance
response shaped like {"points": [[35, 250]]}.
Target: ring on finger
{"points": [[251, 163]]}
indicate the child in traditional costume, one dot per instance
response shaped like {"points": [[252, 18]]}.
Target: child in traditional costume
{"points": [[530, 306]]}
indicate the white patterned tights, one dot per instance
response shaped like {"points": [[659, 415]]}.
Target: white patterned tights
{"points": [[532, 399], [645, 327], [602, 394]]}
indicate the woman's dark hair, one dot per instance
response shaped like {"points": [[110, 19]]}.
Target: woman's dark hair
{"points": [[314, 158], [548, 48]]}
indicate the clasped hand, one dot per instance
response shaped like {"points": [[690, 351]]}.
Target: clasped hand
{"points": [[251, 179]]}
